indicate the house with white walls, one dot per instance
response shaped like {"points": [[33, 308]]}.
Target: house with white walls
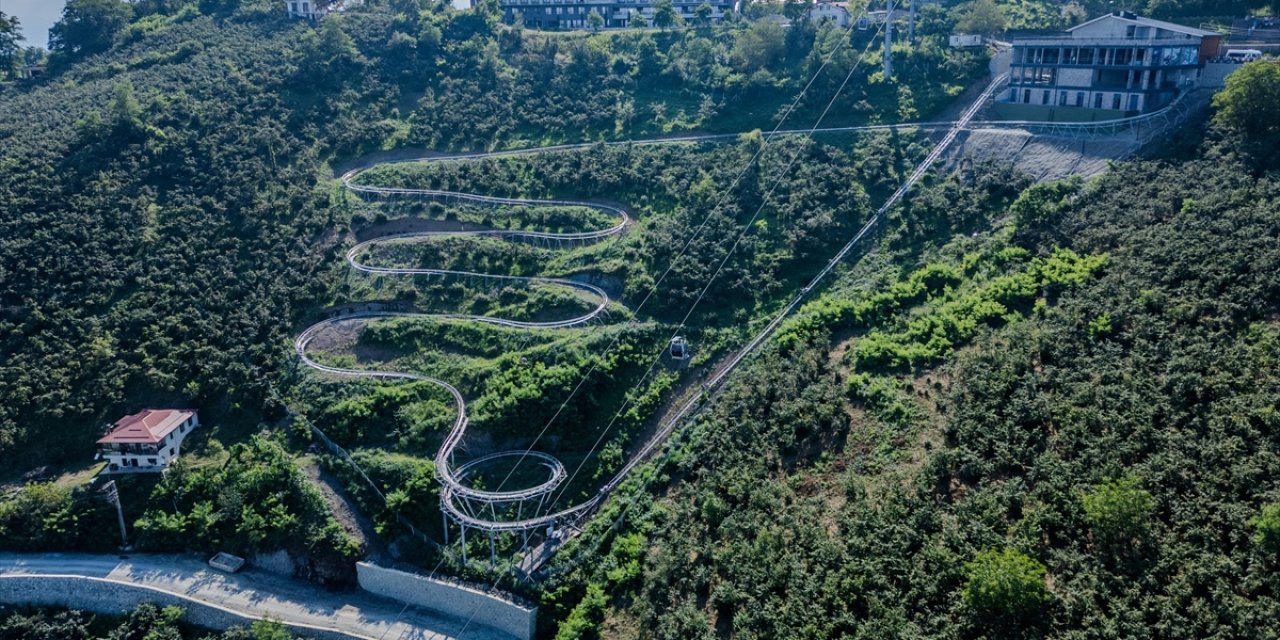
{"points": [[147, 441]]}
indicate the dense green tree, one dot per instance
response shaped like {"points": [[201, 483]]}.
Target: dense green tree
{"points": [[270, 630], [1266, 528], [1037, 207], [258, 501], [584, 622], [329, 57], [983, 17], [759, 46], [1119, 511], [10, 37], [703, 13], [41, 625], [44, 516], [1245, 109], [1073, 13], [665, 15], [1005, 586], [796, 10], [150, 622], [144, 622], [595, 21], [34, 55], [88, 27]]}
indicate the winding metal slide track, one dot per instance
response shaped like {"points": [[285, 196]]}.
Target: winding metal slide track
{"points": [[459, 499]]}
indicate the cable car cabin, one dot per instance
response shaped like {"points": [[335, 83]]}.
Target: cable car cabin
{"points": [[679, 348]]}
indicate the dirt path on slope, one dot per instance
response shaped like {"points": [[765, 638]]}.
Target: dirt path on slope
{"points": [[353, 521]]}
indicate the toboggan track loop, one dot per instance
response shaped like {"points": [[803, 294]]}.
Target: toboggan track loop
{"points": [[453, 477]]}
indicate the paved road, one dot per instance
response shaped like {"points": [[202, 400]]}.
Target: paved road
{"points": [[255, 594]]}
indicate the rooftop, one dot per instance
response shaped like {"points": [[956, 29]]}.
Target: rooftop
{"points": [[1132, 18], [148, 426]]}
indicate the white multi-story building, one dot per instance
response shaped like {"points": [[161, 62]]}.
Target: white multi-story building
{"points": [[573, 14], [146, 441], [1119, 62], [313, 9], [836, 12]]}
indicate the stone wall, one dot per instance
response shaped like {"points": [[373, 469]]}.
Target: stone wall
{"points": [[451, 599], [110, 597]]}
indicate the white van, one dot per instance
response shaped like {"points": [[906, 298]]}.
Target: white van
{"points": [[1243, 55]]}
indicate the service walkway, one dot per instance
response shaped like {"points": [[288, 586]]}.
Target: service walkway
{"points": [[249, 594]]}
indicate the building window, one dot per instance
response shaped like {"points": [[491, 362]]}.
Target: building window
{"points": [[1044, 99], [294, 8], [1133, 102], [1026, 96], [170, 452], [151, 461], [1097, 101], [1079, 98], [305, 8], [1086, 56], [1115, 101], [1062, 98]]}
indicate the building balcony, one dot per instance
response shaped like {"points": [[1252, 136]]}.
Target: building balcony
{"points": [[1110, 87], [129, 450], [1134, 64]]}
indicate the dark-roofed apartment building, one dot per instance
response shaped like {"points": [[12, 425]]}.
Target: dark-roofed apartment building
{"points": [[1116, 65]]}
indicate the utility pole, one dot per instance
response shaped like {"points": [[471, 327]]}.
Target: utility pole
{"points": [[113, 495], [888, 42], [911, 25]]}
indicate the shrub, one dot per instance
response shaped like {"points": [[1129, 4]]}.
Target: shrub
{"points": [[1006, 585], [1267, 529], [1118, 510]]}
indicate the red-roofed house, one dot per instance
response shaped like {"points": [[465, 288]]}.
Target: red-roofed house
{"points": [[146, 441]]}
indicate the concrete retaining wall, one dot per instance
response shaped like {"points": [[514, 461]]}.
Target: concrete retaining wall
{"points": [[110, 597], [450, 599], [1214, 75], [277, 562]]}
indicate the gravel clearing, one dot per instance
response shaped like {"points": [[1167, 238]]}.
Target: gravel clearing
{"points": [[1045, 158]]}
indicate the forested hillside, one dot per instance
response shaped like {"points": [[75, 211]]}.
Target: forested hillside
{"points": [[1059, 422], [193, 150], [170, 219], [1030, 411]]}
